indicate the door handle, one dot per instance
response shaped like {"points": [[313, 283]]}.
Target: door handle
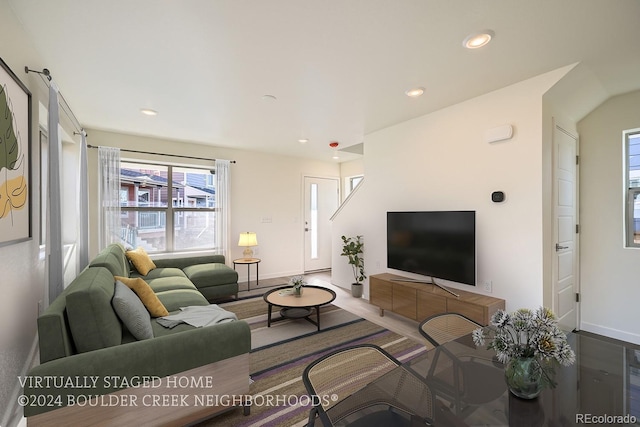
{"points": [[558, 247]]}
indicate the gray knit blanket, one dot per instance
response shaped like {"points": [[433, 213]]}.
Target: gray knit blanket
{"points": [[198, 316]]}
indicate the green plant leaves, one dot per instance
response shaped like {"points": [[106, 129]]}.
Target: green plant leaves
{"points": [[9, 148], [352, 248]]}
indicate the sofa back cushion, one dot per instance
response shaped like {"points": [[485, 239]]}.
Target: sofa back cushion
{"points": [[113, 258], [93, 322], [54, 333], [182, 262]]}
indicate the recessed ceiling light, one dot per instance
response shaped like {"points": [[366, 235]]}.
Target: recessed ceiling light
{"points": [[335, 157], [303, 140], [415, 92], [479, 39], [148, 112]]}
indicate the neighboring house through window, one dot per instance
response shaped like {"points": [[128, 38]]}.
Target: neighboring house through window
{"points": [[167, 208]]}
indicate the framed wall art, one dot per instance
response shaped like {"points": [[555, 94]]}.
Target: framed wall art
{"points": [[15, 160]]}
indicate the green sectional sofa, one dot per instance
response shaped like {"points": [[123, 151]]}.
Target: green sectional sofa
{"points": [[82, 337]]}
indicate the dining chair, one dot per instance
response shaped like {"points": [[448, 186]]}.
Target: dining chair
{"points": [[363, 385], [465, 380], [445, 327]]}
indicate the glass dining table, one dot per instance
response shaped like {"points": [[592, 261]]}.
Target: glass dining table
{"points": [[468, 388]]}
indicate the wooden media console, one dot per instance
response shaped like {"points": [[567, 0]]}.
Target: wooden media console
{"points": [[418, 301]]}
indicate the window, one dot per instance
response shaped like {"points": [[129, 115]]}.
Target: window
{"points": [[354, 181], [313, 211], [351, 183], [167, 208], [632, 186]]}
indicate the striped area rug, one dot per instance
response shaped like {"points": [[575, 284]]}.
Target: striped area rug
{"points": [[277, 364]]}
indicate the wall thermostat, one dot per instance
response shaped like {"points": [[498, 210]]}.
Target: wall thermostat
{"points": [[497, 196]]}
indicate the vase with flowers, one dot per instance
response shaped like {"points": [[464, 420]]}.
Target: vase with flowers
{"points": [[297, 282], [531, 344]]}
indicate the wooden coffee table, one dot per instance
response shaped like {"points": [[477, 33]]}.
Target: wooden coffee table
{"points": [[293, 307]]}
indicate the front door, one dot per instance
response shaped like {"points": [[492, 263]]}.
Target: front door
{"points": [[565, 277], [320, 202]]}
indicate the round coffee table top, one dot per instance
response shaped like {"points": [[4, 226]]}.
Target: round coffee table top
{"points": [[312, 296]]}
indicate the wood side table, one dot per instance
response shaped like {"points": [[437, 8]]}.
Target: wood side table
{"points": [[248, 262], [301, 307]]}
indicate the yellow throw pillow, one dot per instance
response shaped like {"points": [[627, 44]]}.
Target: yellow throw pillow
{"points": [[146, 295], [141, 261]]}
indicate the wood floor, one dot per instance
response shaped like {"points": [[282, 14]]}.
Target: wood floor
{"points": [[344, 300]]}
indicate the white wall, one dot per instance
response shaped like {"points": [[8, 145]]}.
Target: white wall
{"points": [[21, 266], [266, 195], [440, 162], [610, 284]]}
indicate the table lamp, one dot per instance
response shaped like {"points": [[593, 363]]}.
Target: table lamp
{"points": [[248, 240]]}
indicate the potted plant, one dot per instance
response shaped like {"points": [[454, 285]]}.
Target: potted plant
{"points": [[352, 248], [530, 343]]}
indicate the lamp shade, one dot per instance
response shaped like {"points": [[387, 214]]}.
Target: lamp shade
{"points": [[248, 239]]}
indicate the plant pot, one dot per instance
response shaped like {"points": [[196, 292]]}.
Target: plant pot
{"points": [[356, 290], [524, 377], [297, 292]]}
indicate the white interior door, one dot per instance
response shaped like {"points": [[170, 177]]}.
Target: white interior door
{"points": [[320, 202], [565, 258]]}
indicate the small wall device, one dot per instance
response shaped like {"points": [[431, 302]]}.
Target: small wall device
{"points": [[499, 133], [497, 196]]}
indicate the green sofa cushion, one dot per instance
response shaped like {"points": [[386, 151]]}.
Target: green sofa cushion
{"points": [[213, 293], [92, 320], [162, 284], [176, 298], [113, 258], [160, 272], [182, 262], [211, 274]]}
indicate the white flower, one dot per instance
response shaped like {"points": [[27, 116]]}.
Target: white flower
{"points": [[500, 318], [478, 337], [297, 281], [527, 333]]}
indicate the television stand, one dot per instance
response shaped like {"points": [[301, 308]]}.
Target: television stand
{"points": [[430, 282], [419, 299]]}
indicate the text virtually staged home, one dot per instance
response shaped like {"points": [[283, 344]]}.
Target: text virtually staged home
{"points": [[337, 213]]}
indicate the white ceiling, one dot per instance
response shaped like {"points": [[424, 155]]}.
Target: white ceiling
{"points": [[338, 68]]}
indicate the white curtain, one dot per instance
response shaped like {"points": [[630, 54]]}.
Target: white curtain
{"points": [[109, 196], [55, 261], [83, 207], [222, 205]]}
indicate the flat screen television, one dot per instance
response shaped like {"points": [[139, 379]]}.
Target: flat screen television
{"points": [[439, 244]]}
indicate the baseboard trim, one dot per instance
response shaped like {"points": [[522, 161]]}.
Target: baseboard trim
{"points": [[611, 332]]}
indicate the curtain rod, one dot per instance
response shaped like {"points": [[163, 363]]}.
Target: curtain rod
{"points": [[45, 75], [163, 154]]}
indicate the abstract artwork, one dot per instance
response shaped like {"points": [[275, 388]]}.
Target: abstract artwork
{"points": [[15, 142]]}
